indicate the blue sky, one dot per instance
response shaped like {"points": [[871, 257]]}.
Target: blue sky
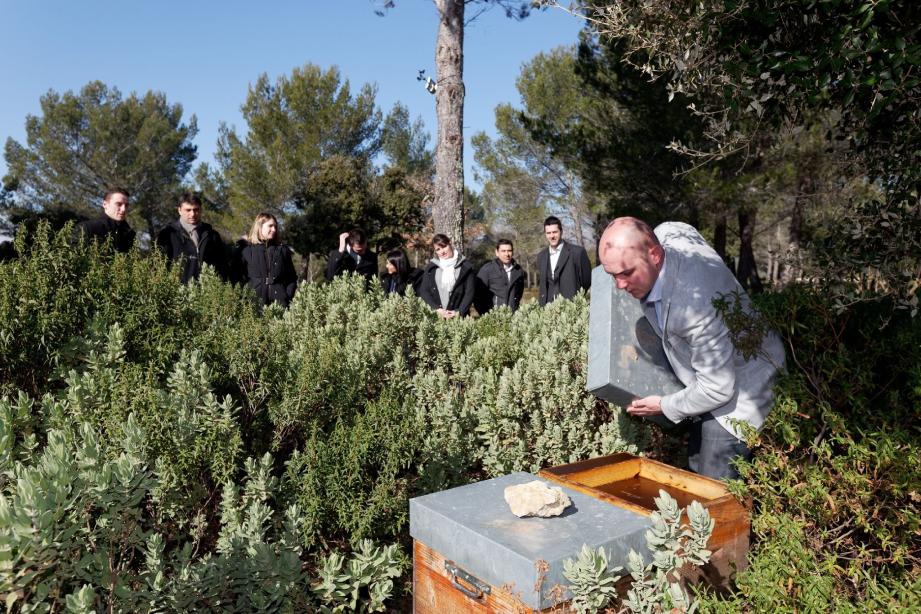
{"points": [[204, 55]]}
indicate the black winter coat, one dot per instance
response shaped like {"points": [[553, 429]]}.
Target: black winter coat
{"points": [[340, 262], [461, 295], [495, 288], [103, 227], [269, 270], [176, 243], [392, 284]]}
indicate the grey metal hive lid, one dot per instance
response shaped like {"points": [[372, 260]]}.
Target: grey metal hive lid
{"points": [[625, 355], [473, 526]]}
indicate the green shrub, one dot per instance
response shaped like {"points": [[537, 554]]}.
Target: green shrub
{"points": [[355, 481], [363, 400], [78, 526], [192, 437], [837, 473]]}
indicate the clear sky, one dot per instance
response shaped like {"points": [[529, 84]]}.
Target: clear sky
{"points": [[204, 55]]}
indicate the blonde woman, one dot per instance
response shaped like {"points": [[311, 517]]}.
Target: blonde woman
{"points": [[264, 262]]}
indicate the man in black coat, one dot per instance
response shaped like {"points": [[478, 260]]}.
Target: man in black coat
{"points": [[563, 268], [193, 240], [500, 281], [353, 256], [111, 224]]}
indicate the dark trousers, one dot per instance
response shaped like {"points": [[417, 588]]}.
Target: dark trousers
{"points": [[711, 448]]}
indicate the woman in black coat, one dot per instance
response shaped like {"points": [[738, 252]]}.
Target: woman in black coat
{"points": [[264, 262], [399, 275], [448, 282]]}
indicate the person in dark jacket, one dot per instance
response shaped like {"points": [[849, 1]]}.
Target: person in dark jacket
{"points": [[447, 283], [399, 275], [352, 256], [265, 263], [195, 241], [500, 281], [563, 268], [111, 224]]}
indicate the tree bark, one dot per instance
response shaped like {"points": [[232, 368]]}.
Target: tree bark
{"points": [[747, 272], [805, 189], [448, 208], [719, 238]]}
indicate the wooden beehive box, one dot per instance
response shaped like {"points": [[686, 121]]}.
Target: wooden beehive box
{"points": [[632, 482], [471, 554]]}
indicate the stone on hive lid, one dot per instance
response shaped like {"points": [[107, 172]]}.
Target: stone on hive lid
{"points": [[536, 499]]}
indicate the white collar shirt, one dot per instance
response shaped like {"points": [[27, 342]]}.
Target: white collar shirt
{"points": [[655, 294], [554, 258]]}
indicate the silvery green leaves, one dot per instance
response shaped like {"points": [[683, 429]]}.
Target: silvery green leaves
{"points": [[592, 584], [364, 584], [674, 545]]}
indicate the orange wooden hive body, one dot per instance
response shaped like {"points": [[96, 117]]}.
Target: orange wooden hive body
{"points": [[623, 480]]}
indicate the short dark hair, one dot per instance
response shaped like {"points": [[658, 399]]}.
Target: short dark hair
{"points": [[357, 237], [502, 242], [113, 191], [399, 260], [440, 240], [553, 221], [190, 197]]}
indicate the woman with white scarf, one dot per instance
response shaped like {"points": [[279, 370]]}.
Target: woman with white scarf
{"points": [[447, 284]]}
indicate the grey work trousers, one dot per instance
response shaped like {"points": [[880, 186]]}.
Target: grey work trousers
{"points": [[711, 448]]}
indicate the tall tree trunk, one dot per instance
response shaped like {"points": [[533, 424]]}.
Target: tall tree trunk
{"points": [[448, 208], [747, 272], [719, 238], [151, 229], [576, 210], [798, 232]]}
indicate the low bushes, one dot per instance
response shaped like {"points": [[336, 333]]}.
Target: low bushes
{"points": [[836, 480], [132, 403], [362, 401]]}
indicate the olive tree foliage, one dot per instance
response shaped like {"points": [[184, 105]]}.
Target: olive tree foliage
{"points": [[754, 71], [85, 142]]}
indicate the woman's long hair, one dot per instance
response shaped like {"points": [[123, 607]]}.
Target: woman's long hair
{"points": [[399, 260], [255, 232]]}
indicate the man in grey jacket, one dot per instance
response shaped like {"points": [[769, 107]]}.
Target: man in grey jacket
{"points": [[677, 275]]}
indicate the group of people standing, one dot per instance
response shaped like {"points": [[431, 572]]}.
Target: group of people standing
{"points": [[447, 283], [671, 270], [259, 259]]}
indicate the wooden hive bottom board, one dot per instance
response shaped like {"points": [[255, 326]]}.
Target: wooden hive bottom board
{"points": [[434, 593]]}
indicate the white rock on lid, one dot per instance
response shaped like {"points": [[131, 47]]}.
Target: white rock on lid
{"points": [[536, 499]]}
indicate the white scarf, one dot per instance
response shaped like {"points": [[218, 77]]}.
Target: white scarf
{"points": [[448, 277]]}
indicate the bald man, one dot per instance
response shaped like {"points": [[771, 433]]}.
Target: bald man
{"points": [[676, 276]]}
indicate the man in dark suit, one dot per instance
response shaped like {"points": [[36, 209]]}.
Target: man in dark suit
{"points": [[112, 223], [195, 241], [353, 256], [500, 281], [563, 268]]}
